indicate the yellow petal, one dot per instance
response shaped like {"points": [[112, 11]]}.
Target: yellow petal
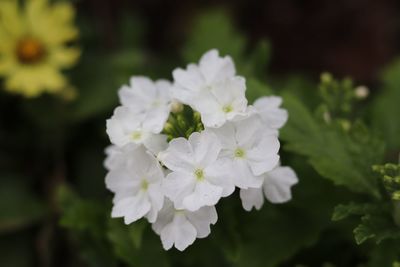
{"points": [[10, 18], [34, 80], [51, 23], [64, 57], [7, 65], [35, 9]]}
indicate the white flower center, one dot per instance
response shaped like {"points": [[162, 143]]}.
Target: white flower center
{"points": [[199, 174], [144, 185], [136, 135], [227, 108], [239, 153]]}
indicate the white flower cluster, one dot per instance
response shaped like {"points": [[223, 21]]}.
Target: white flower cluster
{"points": [[175, 185]]}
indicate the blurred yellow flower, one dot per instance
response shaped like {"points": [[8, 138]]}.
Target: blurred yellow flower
{"points": [[33, 46]]}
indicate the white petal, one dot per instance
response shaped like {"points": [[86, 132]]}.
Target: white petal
{"points": [[191, 78], [178, 156], [165, 216], [225, 134], [201, 220], [179, 232], [204, 194], [176, 186], [268, 109], [252, 197], [156, 197], [156, 118], [132, 208], [220, 174], [206, 147], [213, 119], [278, 183], [230, 90], [215, 68], [264, 156], [120, 179], [122, 124], [243, 176], [156, 143], [248, 131]]}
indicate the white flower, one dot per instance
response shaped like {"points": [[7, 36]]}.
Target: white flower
{"points": [[181, 227], [276, 188], [116, 157], [197, 80], [198, 177], [228, 101], [268, 108], [251, 149], [150, 98], [126, 127], [137, 187]]}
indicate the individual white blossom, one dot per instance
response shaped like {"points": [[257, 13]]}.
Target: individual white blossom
{"points": [[276, 188], [137, 186], [211, 88], [153, 99], [197, 79], [250, 148], [126, 127], [227, 101], [180, 228], [268, 108], [198, 177]]}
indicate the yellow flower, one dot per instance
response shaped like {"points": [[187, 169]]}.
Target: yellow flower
{"points": [[33, 46]]}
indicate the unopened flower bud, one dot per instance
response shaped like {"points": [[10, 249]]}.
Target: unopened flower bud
{"points": [[361, 92], [327, 117], [176, 106], [326, 77]]}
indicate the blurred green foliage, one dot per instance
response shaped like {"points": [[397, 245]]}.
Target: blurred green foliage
{"points": [[65, 208]]}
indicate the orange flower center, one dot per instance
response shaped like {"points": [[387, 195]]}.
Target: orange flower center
{"points": [[30, 51]]}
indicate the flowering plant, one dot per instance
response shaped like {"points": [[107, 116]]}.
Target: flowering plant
{"points": [[178, 148]]}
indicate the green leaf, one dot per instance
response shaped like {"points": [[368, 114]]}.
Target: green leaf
{"points": [[343, 211], [19, 207], [376, 226], [343, 157], [376, 221]]}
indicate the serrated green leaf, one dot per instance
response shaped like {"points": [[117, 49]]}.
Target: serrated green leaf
{"points": [[344, 158], [343, 211], [378, 226]]}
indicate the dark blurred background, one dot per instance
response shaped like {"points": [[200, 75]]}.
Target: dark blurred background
{"points": [[346, 37]]}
